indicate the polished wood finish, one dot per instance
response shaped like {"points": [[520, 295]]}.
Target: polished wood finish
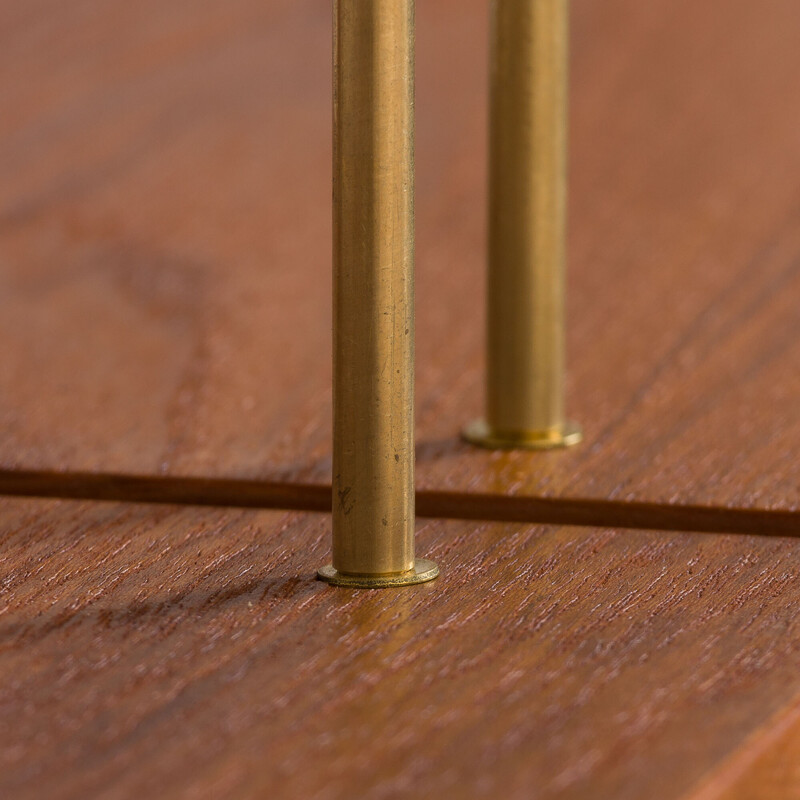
{"points": [[183, 653], [165, 313], [683, 256], [165, 219], [767, 765]]}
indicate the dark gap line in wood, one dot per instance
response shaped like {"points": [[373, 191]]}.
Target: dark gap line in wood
{"points": [[238, 493]]}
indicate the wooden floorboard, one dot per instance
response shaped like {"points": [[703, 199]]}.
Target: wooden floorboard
{"points": [[684, 283], [774, 774], [165, 311], [765, 766], [165, 246], [165, 652]]}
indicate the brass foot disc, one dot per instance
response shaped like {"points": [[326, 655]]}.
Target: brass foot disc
{"points": [[479, 433], [423, 571]]}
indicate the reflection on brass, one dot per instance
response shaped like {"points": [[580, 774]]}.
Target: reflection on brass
{"points": [[527, 228], [373, 297], [423, 571], [565, 435]]}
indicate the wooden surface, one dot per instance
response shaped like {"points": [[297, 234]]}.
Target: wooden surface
{"points": [[165, 310], [165, 224], [184, 653], [766, 765]]}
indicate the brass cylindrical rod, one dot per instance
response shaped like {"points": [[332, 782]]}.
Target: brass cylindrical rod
{"points": [[527, 227], [373, 297]]}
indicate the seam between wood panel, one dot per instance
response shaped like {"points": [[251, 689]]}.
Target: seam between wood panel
{"points": [[242, 493]]}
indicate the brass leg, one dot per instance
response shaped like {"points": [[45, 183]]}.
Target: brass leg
{"points": [[373, 306], [527, 228]]}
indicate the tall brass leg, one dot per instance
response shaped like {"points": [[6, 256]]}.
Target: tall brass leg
{"points": [[527, 228], [373, 305]]}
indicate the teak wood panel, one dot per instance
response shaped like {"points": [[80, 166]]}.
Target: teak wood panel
{"points": [[165, 245], [164, 652], [767, 765], [164, 258]]}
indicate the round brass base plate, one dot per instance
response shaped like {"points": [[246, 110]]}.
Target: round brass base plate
{"points": [[479, 433], [423, 571]]}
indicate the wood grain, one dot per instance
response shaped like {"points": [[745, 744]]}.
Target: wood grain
{"points": [[684, 281], [766, 764], [774, 773], [165, 310], [165, 246], [165, 173], [167, 652]]}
